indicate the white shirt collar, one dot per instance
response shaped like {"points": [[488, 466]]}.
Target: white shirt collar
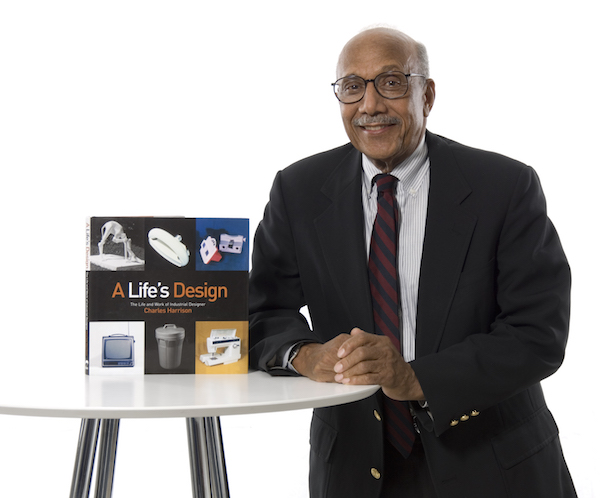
{"points": [[410, 172]]}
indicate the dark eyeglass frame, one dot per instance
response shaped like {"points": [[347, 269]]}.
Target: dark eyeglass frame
{"points": [[387, 73]]}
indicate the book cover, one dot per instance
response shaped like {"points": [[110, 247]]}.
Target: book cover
{"points": [[166, 295]]}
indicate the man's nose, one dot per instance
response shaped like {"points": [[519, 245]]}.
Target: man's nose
{"points": [[372, 102]]}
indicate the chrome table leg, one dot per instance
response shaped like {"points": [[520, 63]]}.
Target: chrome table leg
{"points": [[207, 458], [84, 459], [109, 432], [216, 457]]}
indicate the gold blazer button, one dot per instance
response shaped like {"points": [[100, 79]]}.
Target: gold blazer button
{"points": [[454, 423], [474, 413], [464, 418], [376, 415], [375, 473]]}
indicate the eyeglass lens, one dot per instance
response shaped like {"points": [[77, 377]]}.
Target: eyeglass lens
{"points": [[390, 85]]}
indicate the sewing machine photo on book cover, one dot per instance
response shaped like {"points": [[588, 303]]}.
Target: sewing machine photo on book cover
{"points": [[221, 347]]}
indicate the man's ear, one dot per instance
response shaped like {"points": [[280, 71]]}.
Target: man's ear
{"points": [[429, 96]]}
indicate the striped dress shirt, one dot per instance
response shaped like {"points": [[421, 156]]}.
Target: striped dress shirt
{"points": [[411, 194]]}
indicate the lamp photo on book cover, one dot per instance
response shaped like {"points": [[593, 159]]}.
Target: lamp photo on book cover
{"points": [[113, 233]]}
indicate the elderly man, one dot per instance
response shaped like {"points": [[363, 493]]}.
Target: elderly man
{"points": [[428, 268]]}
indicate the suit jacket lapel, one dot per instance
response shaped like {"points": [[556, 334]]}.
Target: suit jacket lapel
{"points": [[447, 236], [340, 229]]}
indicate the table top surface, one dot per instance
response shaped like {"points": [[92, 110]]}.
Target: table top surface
{"points": [[162, 396]]}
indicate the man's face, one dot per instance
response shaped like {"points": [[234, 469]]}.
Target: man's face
{"points": [[386, 131]]}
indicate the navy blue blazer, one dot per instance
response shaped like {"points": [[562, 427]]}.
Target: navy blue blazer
{"points": [[492, 319]]}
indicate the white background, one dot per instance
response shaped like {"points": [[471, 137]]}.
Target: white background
{"points": [[189, 108]]}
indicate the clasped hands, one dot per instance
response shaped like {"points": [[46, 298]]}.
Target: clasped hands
{"points": [[360, 358]]}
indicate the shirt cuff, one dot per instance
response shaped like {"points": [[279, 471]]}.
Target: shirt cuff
{"points": [[288, 358]]}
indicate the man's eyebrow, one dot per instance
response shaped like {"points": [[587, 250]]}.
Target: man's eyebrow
{"points": [[393, 67], [384, 69]]}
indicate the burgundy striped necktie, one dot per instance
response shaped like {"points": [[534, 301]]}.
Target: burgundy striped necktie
{"points": [[383, 279]]}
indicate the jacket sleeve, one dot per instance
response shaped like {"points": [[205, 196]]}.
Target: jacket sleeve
{"points": [[530, 279], [276, 294]]}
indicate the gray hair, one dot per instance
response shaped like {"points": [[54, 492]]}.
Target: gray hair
{"points": [[422, 59]]}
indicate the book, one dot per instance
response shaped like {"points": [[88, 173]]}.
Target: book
{"points": [[166, 295]]}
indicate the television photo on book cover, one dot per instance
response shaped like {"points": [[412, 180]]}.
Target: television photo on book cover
{"points": [[166, 295]]}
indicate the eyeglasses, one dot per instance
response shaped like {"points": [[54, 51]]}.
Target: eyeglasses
{"points": [[390, 85]]}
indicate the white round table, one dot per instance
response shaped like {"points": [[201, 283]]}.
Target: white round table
{"points": [[102, 401]]}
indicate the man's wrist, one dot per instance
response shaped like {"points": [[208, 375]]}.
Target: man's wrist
{"points": [[290, 356], [299, 363]]}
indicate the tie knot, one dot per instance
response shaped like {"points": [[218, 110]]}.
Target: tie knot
{"points": [[385, 182]]}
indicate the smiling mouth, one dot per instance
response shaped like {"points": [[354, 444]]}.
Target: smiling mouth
{"points": [[375, 127]]}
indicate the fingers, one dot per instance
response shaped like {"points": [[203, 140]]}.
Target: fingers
{"points": [[357, 338], [367, 359], [316, 361], [365, 372], [362, 346]]}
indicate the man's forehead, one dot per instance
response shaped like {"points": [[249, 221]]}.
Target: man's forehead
{"points": [[365, 59]]}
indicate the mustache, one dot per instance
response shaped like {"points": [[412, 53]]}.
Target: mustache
{"points": [[375, 120]]}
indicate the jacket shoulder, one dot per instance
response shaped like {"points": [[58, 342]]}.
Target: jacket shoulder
{"points": [[471, 157], [319, 165]]}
